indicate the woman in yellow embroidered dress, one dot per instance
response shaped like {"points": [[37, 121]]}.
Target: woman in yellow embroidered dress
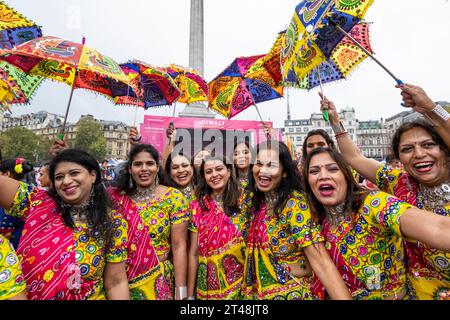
{"points": [[423, 150], [73, 247], [284, 243], [218, 231], [364, 229], [162, 213], [12, 283]]}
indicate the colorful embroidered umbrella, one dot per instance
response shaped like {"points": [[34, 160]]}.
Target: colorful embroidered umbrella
{"points": [[344, 58], [155, 86], [11, 19], [310, 38], [244, 83], [192, 86], [72, 63], [316, 28], [22, 86], [15, 29], [6, 96]]}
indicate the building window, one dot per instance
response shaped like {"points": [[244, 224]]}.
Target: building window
{"points": [[305, 129], [291, 129], [299, 138], [298, 129]]}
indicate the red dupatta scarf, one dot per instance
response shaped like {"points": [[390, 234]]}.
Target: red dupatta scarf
{"points": [[47, 248], [142, 258]]}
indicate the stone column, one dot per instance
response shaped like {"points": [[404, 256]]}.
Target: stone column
{"points": [[196, 36], [196, 53]]}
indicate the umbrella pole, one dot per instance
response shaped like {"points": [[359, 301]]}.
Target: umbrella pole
{"points": [[264, 124], [135, 115], [174, 108], [369, 54], [61, 134], [325, 111]]}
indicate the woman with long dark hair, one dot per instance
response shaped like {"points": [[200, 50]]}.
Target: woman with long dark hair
{"points": [[73, 245], [218, 230], [157, 216], [364, 230], [424, 181], [284, 242], [179, 173]]}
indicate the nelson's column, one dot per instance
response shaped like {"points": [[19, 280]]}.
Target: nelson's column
{"points": [[196, 109]]}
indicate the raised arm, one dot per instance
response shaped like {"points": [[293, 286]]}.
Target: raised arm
{"points": [[427, 227], [415, 97], [364, 166], [8, 189], [171, 133]]}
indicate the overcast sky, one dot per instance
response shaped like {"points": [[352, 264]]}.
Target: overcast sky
{"points": [[410, 37]]}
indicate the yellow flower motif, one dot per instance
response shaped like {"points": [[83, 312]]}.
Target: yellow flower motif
{"points": [[18, 168], [48, 275]]}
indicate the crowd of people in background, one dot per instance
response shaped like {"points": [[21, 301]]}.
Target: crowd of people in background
{"points": [[254, 224]]}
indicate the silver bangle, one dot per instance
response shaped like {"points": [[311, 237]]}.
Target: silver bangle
{"points": [[190, 298], [441, 112], [182, 292]]}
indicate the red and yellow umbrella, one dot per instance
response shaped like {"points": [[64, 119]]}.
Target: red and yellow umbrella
{"points": [[71, 63], [192, 86]]}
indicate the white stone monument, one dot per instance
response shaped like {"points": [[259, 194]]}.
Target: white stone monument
{"points": [[196, 52]]}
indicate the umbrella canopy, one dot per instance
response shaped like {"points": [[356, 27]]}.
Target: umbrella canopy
{"points": [[245, 82], [192, 86], [69, 62], [313, 32], [155, 86], [344, 58], [21, 86], [72, 63], [15, 29]]}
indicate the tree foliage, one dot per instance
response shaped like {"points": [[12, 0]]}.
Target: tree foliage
{"points": [[21, 142], [90, 138]]}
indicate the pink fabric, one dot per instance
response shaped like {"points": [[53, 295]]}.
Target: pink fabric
{"points": [[47, 247], [142, 257], [215, 230]]}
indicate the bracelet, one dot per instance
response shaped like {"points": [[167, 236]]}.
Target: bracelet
{"points": [[338, 128], [190, 298], [441, 112], [182, 292], [340, 134]]}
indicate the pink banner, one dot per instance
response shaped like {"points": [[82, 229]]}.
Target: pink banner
{"points": [[202, 132]]}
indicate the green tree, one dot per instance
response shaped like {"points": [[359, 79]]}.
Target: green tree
{"points": [[21, 142], [90, 138]]}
